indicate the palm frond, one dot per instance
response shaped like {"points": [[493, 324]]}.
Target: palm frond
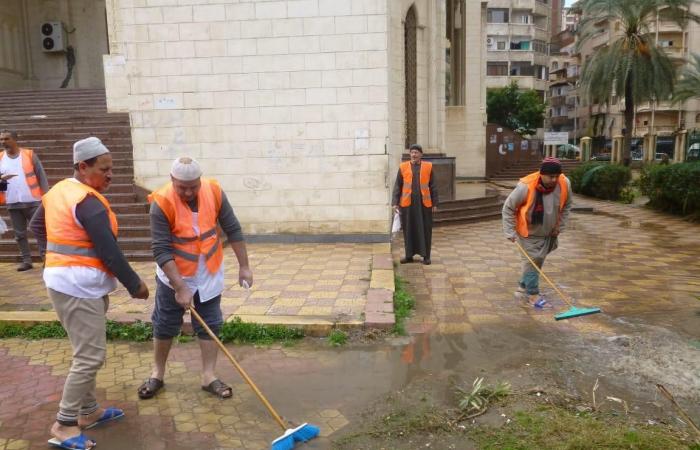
{"points": [[689, 83]]}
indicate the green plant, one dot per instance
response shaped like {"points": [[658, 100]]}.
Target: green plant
{"points": [[138, 331], [10, 330], [628, 194], [184, 338], [475, 401], [337, 337], [403, 305], [600, 180], [576, 175], [673, 187], [247, 332], [515, 108], [49, 330]]}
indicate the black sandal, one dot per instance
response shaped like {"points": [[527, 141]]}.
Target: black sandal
{"points": [[219, 388], [150, 387]]}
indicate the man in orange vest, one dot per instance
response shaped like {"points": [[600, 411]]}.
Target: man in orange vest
{"points": [[188, 250], [535, 213], [78, 228], [23, 183], [415, 198]]}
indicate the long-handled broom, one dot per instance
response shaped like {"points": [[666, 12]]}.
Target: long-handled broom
{"points": [[302, 433], [573, 311]]}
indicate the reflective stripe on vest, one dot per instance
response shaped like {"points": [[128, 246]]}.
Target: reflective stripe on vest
{"points": [[68, 244], [188, 246], [407, 174], [521, 214], [30, 178]]}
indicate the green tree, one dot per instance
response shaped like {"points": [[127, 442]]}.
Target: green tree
{"points": [[631, 66], [520, 110], [689, 83]]}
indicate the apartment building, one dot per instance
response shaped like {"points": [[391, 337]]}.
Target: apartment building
{"points": [[518, 33], [562, 94], [660, 118]]}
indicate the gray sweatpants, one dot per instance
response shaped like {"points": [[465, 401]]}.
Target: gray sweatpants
{"points": [[20, 218], [84, 321]]}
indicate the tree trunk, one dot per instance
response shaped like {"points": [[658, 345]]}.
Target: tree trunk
{"points": [[629, 122]]}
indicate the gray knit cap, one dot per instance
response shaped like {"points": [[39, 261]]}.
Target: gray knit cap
{"points": [[88, 148], [186, 169]]}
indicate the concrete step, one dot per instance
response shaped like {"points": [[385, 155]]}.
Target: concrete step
{"points": [[53, 172], [466, 218], [9, 246], [66, 160], [117, 178], [131, 256], [443, 214], [127, 231]]}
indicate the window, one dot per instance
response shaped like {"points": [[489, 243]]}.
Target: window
{"points": [[497, 69], [665, 43], [539, 46], [501, 45], [519, 45], [496, 15], [555, 65]]}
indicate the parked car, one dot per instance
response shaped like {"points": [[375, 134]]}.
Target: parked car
{"points": [[693, 153], [601, 157]]}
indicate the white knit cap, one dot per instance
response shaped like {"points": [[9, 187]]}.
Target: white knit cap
{"points": [[186, 169], [88, 148]]}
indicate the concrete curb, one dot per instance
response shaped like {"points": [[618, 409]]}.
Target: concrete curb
{"points": [[379, 308]]}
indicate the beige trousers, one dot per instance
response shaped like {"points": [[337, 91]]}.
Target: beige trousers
{"points": [[84, 321]]}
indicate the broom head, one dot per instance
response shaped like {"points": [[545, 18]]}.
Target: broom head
{"points": [[576, 312], [302, 433]]}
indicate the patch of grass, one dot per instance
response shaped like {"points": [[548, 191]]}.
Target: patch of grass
{"points": [[551, 427], [241, 332], [337, 338], [138, 331], [49, 330], [403, 304], [184, 338]]}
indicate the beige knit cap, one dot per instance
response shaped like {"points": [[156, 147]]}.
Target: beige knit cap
{"points": [[186, 169]]}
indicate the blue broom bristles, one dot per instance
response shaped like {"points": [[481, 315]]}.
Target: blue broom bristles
{"points": [[302, 433], [305, 432], [285, 442]]}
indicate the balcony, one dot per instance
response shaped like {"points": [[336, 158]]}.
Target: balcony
{"points": [[557, 101], [558, 121], [658, 129]]}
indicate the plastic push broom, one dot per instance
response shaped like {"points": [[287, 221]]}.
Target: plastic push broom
{"points": [[302, 433], [573, 311]]}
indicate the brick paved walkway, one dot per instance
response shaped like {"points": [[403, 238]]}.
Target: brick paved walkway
{"points": [[626, 260], [316, 282]]}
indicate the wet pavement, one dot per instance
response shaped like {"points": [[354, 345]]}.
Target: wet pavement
{"points": [[641, 268]]}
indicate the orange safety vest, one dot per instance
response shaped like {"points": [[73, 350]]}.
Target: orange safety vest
{"points": [[68, 244], [188, 245], [425, 170], [27, 156], [521, 217]]}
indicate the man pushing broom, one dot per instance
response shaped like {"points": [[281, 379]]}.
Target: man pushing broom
{"points": [[535, 213]]}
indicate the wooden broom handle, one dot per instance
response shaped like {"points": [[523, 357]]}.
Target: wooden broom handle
{"points": [[238, 367], [561, 294]]}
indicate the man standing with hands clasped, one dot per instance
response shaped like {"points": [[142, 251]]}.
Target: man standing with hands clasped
{"points": [[190, 270], [415, 198]]}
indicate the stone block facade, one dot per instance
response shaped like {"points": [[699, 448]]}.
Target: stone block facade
{"points": [[284, 102]]}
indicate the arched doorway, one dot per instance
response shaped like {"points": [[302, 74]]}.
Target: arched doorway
{"points": [[410, 65]]}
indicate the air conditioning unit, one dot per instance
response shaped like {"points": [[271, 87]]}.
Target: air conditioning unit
{"points": [[489, 41], [53, 37]]}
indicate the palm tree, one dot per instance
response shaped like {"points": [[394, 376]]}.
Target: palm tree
{"points": [[631, 65], [689, 84]]}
